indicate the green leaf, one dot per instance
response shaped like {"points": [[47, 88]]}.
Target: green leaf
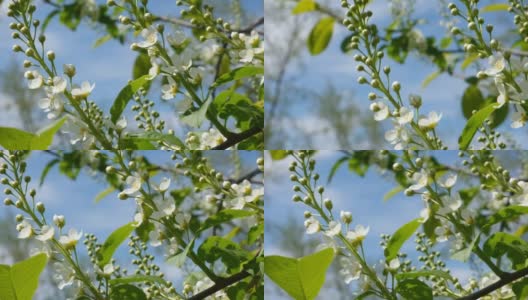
{"points": [[46, 170], [515, 248], [230, 253], [137, 278], [195, 119], [424, 273], [509, 213], [301, 278], [473, 124], [399, 237], [125, 95], [335, 167], [100, 41], [127, 292], [472, 100], [16, 139], [239, 73], [414, 289], [464, 254], [179, 259], [467, 195], [225, 216], [495, 7], [278, 154], [468, 61], [48, 19], [20, 281], [104, 193], [520, 288], [70, 15], [255, 233], [305, 6], [320, 35], [113, 242], [430, 78], [393, 192], [141, 67]]}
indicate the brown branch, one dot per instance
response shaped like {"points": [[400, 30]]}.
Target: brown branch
{"points": [[219, 285], [250, 28], [507, 279], [237, 138], [248, 176]]}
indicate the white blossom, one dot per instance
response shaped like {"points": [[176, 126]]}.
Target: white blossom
{"points": [[150, 38], [358, 234], [334, 228], [46, 233]]}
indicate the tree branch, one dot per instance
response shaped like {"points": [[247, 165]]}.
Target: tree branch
{"points": [[219, 285], [507, 279], [248, 176], [237, 138]]}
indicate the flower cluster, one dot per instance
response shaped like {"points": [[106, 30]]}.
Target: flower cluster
{"points": [[411, 130]]}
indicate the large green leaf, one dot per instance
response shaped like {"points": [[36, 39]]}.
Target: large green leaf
{"points": [[473, 125], [414, 289], [506, 214], [16, 139], [195, 119], [472, 100], [20, 281], [113, 242], [141, 67], [127, 292], [320, 35], [399, 237], [225, 216], [515, 248], [305, 6], [125, 95], [301, 278], [240, 73]]}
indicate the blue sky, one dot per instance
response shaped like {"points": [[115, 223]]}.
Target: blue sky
{"points": [[108, 66], [334, 67], [76, 201], [361, 196]]}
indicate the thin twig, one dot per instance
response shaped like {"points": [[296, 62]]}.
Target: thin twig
{"points": [[507, 279], [221, 284], [238, 137]]}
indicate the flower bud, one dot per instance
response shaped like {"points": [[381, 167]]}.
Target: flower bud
{"points": [[396, 86], [59, 220], [50, 55], [69, 70], [40, 207], [346, 217], [415, 101], [8, 202], [122, 196], [328, 204], [19, 218]]}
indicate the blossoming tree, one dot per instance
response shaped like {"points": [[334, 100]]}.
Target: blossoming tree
{"points": [[207, 223], [477, 209], [210, 69], [468, 38]]}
